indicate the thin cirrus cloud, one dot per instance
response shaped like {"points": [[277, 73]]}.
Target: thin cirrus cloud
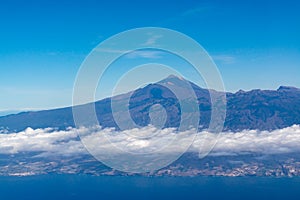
{"points": [[66, 142], [225, 59], [152, 39], [135, 53], [145, 54]]}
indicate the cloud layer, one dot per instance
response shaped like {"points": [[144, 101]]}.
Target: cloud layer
{"points": [[253, 141], [50, 141]]}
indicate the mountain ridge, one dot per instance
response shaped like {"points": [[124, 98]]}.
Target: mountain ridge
{"points": [[254, 109]]}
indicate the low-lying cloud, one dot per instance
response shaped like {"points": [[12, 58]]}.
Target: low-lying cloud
{"points": [[67, 142], [284, 140]]}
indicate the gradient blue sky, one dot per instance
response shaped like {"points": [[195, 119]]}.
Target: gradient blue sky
{"points": [[256, 44]]}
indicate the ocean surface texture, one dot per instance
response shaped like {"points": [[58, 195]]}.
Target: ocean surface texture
{"points": [[79, 187]]}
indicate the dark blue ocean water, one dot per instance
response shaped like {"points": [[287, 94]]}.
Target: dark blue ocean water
{"points": [[90, 187]]}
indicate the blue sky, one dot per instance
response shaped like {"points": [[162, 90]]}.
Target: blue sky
{"points": [[255, 44]]}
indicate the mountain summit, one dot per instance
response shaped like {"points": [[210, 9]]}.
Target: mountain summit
{"points": [[173, 79]]}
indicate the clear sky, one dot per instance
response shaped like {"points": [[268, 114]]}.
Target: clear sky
{"points": [[255, 44]]}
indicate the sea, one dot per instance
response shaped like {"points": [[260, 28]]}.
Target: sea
{"points": [[86, 187]]}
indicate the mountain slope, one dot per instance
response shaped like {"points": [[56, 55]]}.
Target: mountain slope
{"points": [[256, 109]]}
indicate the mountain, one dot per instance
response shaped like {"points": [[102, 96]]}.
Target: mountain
{"points": [[256, 109]]}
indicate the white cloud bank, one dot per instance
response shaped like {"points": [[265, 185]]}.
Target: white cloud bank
{"points": [[284, 140], [53, 142]]}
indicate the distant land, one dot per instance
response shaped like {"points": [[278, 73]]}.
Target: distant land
{"points": [[255, 109], [22, 154]]}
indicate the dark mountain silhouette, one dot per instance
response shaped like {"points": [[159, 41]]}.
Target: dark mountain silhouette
{"points": [[256, 109]]}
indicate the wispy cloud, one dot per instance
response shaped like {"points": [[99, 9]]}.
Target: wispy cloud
{"points": [[226, 59], [152, 39], [192, 12], [145, 54], [136, 53]]}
